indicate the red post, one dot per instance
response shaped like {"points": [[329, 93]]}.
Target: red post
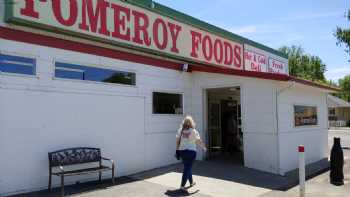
{"points": [[301, 150]]}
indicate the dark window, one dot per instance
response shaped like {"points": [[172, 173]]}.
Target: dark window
{"points": [[331, 114], [165, 103], [305, 115], [17, 64], [78, 72]]}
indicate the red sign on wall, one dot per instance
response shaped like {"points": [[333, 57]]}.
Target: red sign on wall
{"points": [[255, 61], [277, 66], [258, 60], [119, 22]]}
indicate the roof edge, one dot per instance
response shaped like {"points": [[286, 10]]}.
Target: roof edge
{"points": [[337, 101], [314, 84], [48, 41]]}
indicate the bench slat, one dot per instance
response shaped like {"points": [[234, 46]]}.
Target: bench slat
{"points": [[83, 171]]}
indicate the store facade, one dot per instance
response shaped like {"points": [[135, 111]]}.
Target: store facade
{"points": [[120, 75]]}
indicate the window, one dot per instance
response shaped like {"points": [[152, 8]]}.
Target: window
{"points": [[17, 64], [305, 115], [331, 114], [87, 73], [166, 103]]}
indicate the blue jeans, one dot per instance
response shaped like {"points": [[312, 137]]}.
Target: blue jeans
{"points": [[188, 157]]}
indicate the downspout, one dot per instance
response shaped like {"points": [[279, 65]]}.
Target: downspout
{"points": [[328, 127], [278, 92]]}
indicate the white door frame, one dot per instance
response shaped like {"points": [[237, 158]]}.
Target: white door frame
{"points": [[206, 105]]}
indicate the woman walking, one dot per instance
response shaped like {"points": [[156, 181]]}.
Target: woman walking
{"points": [[187, 140]]}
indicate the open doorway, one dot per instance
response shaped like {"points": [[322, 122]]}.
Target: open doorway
{"points": [[225, 136]]}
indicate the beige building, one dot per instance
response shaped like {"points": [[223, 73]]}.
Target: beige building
{"points": [[339, 112]]}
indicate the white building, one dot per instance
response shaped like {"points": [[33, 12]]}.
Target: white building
{"points": [[69, 78]]}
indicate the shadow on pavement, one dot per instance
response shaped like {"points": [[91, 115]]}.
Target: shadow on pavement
{"points": [[179, 193], [77, 189], [231, 170]]}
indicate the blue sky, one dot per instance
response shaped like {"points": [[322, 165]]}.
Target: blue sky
{"points": [[309, 23]]}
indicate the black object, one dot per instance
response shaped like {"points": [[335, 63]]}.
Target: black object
{"points": [[74, 156], [337, 163], [177, 154]]}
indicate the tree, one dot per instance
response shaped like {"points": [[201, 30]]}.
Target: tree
{"points": [[303, 65], [343, 36], [345, 88], [332, 83]]}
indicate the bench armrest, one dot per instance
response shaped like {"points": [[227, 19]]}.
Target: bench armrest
{"points": [[113, 166], [106, 159], [110, 160]]}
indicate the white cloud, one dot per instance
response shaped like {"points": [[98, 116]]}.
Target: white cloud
{"points": [[338, 73], [244, 30], [262, 29], [313, 16]]}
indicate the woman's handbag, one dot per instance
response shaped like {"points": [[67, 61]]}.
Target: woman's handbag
{"points": [[177, 153]]}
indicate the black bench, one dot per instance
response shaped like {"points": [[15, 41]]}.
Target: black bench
{"points": [[74, 156]]}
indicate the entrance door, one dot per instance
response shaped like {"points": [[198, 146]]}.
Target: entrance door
{"points": [[229, 126], [214, 130], [225, 137]]}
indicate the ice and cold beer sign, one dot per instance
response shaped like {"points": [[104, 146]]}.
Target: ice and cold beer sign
{"points": [[119, 22], [259, 61]]}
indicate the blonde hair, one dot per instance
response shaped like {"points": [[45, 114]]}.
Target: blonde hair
{"points": [[188, 123]]}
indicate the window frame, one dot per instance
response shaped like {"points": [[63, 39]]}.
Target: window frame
{"points": [[168, 92], [331, 109], [305, 126], [101, 66], [24, 55]]}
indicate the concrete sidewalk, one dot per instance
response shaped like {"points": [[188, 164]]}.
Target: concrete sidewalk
{"points": [[214, 179], [218, 178], [339, 128], [222, 179]]}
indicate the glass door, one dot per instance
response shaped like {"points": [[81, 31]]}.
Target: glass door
{"points": [[214, 130]]}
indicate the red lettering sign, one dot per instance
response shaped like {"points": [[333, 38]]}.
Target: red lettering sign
{"points": [[141, 28], [160, 24], [237, 58], [121, 17], [118, 21], [228, 54], [28, 10], [174, 32], [196, 40], [100, 14], [207, 48], [276, 66], [222, 51], [218, 51], [73, 10], [255, 61]]}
